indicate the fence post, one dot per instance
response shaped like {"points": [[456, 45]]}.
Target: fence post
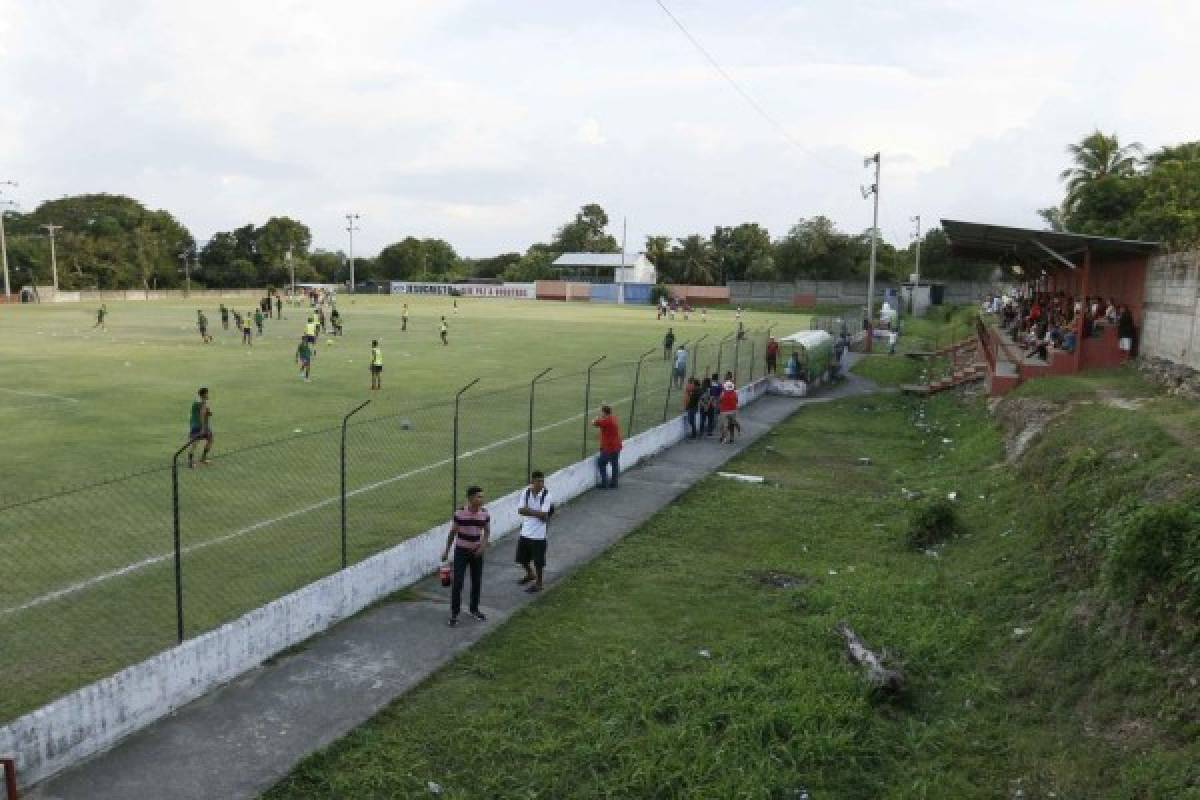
{"points": [[636, 377], [529, 438], [587, 404], [177, 547], [345, 422], [670, 383], [752, 361], [454, 456], [720, 347], [696, 353], [737, 346]]}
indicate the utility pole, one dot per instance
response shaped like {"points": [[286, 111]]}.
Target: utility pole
{"points": [[3, 246], [351, 228], [291, 269], [50, 229], [874, 189], [621, 269], [917, 236]]}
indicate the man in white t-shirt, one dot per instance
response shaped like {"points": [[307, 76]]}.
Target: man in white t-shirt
{"points": [[536, 508]]}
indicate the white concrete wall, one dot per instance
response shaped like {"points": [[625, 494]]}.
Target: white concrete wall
{"points": [[97, 716], [1170, 326]]}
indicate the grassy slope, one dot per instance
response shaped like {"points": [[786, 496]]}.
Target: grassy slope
{"points": [[600, 690]]}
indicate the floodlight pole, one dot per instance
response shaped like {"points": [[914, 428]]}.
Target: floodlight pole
{"points": [[351, 228], [3, 245], [874, 190], [50, 229]]}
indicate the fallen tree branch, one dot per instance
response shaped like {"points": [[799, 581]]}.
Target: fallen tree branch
{"points": [[880, 678]]}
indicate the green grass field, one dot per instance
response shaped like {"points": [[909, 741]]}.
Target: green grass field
{"points": [[87, 582], [697, 658]]}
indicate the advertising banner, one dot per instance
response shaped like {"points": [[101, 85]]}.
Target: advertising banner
{"points": [[508, 291]]}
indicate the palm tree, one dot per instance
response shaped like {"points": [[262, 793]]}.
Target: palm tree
{"points": [[1096, 157], [696, 257]]}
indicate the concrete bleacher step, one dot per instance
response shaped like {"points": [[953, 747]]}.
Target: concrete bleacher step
{"points": [[959, 377]]}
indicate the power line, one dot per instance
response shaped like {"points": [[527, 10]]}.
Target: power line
{"points": [[758, 108]]}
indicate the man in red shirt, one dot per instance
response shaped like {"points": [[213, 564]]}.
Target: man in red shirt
{"points": [[610, 447], [772, 355], [728, 405]]}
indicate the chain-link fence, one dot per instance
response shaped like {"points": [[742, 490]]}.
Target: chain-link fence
{"points": [[103, 576]]}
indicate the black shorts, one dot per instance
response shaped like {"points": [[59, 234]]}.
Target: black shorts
{"points": [[531, 550], [377, 368], [310, 339]]}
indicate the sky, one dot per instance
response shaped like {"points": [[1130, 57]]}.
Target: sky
{"points": [[488, 123]]}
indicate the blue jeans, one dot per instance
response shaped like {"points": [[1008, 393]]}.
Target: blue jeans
{"points": [[602, 461]]}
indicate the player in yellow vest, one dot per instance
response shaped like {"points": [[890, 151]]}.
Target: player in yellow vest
{"points": [[310, 334], [376, 365]]}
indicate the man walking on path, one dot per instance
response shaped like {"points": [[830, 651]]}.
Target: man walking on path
{"points": [[729, 407], [772, 355], [610, 447], [679, 370], [376, 365], [470, 530], [536, 509], [200, 428], [668, 343]]}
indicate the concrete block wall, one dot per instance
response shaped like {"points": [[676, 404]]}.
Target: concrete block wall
{"points": [[1170, 324], [94, 718], [843, 293]]}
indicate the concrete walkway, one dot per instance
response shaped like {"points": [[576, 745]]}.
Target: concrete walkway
{"points": [[241, 739]]}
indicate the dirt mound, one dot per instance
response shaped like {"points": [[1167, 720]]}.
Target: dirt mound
{"points": [[1023, 420]]}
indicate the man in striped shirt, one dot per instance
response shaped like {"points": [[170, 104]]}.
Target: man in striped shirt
{"points": [[470, 530]]}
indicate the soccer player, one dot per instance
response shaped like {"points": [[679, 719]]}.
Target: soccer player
{"points": [[101, 313], [202, 324], [445, 331], [310, 333], [404, 317], [258, 320], [304, 357], [247, 331], [237, 320], [200, 428], [278, 306], [224, 317], [376, 365], [335, 319]]}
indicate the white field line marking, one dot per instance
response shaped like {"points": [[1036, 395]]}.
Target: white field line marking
{"points": [[36, 394], [148, 562]]}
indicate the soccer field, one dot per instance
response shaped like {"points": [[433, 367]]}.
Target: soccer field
{"points": [[87, 577]]}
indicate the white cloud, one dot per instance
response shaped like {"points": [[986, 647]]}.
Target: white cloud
{"points": [[489, 122]]}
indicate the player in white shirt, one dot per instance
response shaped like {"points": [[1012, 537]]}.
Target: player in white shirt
{"points": [[537, 506]]}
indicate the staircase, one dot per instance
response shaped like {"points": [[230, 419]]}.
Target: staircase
{"points": [[964, 365]]}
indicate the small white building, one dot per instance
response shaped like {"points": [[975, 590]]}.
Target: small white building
{"points": [[606, 268]]}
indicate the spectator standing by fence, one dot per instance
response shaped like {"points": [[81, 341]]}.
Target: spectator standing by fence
{"points": [[537, 506], [679, 370], [772, 355], [694, 393], [610, 447], [470, 529], [714, 404], [729, 406]]}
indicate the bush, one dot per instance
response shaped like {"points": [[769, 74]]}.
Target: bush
{"points": [[658, 292], [1156, 550], [933, 523]]}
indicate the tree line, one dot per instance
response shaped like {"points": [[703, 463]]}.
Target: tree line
{"points": [[114, 242]]}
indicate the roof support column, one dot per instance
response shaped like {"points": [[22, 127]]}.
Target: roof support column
{"points": [[1084, 290]]}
